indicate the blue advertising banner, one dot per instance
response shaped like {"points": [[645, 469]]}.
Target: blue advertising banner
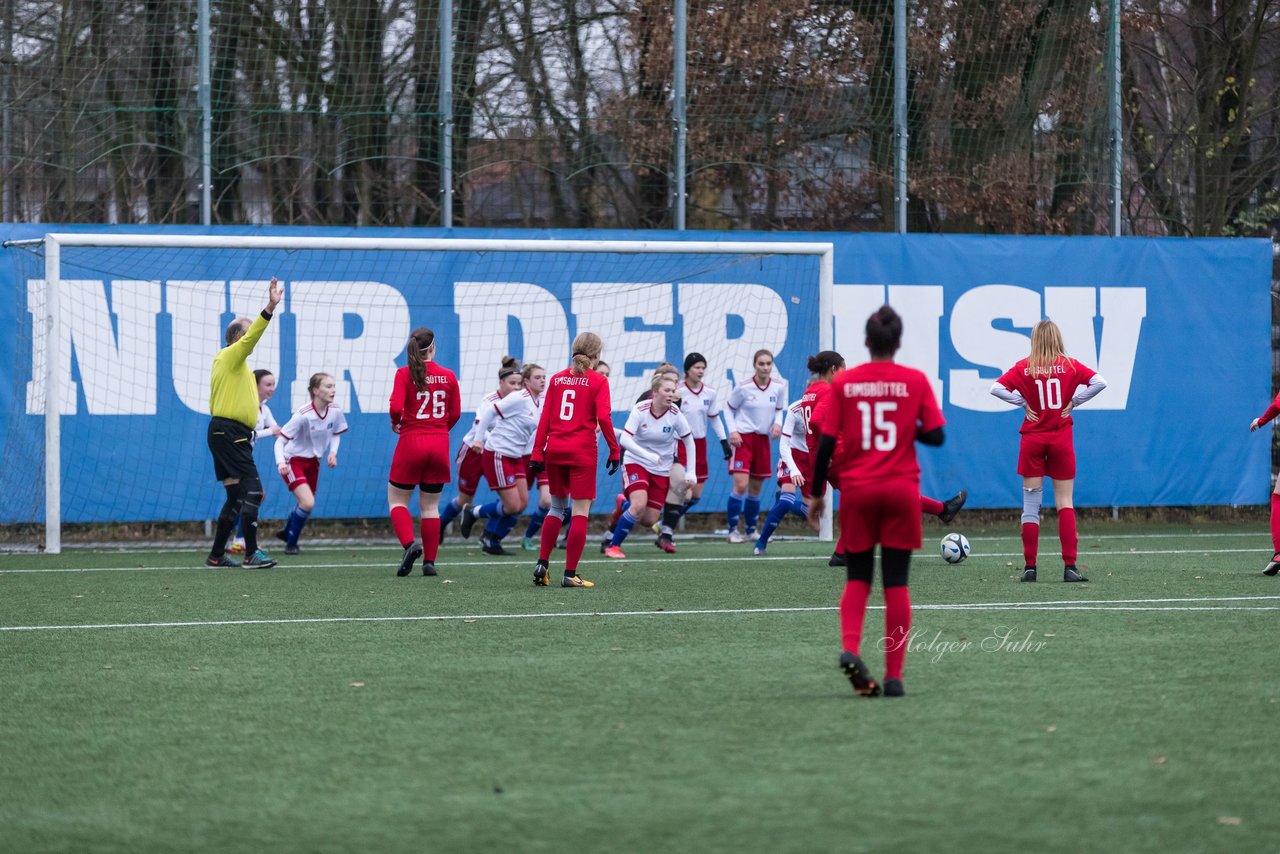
{"points": [[1166, 322]]}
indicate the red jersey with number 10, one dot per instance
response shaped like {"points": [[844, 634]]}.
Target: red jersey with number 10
{"points": [[875, 411], [435, 410], [1047, 391], [573, 406]]}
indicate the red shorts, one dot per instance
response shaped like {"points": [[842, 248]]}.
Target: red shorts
{"points": [[303, 471], [420, 458], [1051, 454], [700, 448], [804, 463], [573, 481], [501, 472], [886, 512], [752, 457], [470, 469], [656, 485]]}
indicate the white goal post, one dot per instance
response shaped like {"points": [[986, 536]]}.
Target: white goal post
{"points": [[54, 334]]}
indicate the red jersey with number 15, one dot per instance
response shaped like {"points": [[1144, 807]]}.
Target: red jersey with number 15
{"points": [[1048, 391], [435, 410], [875, 411], [573, 406]]}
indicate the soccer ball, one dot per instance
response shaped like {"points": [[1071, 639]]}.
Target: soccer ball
{"points": [[955, 548]]}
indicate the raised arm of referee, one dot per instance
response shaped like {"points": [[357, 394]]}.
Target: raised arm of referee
{"points": [[233, 404]]}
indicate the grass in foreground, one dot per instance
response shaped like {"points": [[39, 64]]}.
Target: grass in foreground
{"points": [[688, 704]]}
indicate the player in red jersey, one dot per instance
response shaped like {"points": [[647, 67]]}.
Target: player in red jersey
{"points": [[425, 404], [795, 465], [1048, 385], [878, 411], [574, 404], [1273, 565]]}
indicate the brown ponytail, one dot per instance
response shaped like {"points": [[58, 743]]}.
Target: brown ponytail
{"points": [[420, 341], [510, 365], [586, 351]]}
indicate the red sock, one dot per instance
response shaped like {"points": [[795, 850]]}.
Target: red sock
{"points": [[1275, 522], [853, 608], [402, 522], [1067, 534], [617, 512], [932, 506], [430, 537], [1030, 542], [576, 543], [897, 628], [550, 533]]}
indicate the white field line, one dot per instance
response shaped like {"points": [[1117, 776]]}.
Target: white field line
{"points": [[698, 539], [522, 563], [1126, 605]]}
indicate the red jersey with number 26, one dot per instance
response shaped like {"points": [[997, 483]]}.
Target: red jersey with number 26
{"points": [[573, 406], [875, 412], [1048, 391], [435, 410]]}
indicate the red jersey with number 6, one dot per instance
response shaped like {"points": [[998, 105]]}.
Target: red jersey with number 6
{"points": [[875, 411], [435, 410], [573, 406], [1047, 391]]}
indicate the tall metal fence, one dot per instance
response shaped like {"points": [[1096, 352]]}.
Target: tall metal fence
{"points": [[989, 116]]}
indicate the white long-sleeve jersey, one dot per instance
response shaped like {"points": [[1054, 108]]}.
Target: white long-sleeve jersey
{"points": [[751, 408], [491, 397], [266, 422], [702, 408], [507, 426], [651, 439], [310, 433]]}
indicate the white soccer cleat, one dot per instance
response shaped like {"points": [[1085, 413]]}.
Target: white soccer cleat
{"points": [[736, 538]]}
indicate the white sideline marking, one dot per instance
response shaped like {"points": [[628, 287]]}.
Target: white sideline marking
{"points": [[739, 558], [1061, 605]]}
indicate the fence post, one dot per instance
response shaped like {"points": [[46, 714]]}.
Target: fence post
{"points": [[679, 106], [446, 113], [900, 115]]}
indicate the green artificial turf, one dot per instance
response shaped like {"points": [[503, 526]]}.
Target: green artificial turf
{"points": [[686, 704]]}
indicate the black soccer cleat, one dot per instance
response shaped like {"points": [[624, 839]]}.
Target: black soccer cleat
{"points": [[606, 542], [1028, 574], [258, 560], [952, 506], [1274, 566], [489, 547], [1070, 573], [893, 688], [429, 567], [837, 559], [412, 552], [541, 574], [283, 535], [466, 521], [219, 562], [859, 676], [292, 549]]}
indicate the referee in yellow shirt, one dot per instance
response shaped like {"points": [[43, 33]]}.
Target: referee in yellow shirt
{"points": [[233, 403]]}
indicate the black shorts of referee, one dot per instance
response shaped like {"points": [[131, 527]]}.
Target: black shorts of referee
{"points": [[231, 444]]}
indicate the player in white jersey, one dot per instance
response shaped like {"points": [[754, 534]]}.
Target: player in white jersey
{"points": [[753, 412], [505, 432], [535, 382], [652, 431], [265, 427], [795, 465], [700, 404], [470, 462], [313, 432]]}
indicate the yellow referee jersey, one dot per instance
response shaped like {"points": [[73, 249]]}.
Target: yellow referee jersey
{"points": [[232, 392]]}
